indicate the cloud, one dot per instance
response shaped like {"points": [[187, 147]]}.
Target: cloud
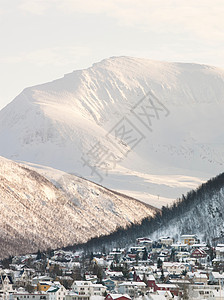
{"points": [[36, 7], [201, 18], [57, 56]]}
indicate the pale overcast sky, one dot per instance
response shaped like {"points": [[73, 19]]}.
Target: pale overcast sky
{"points": [[41, 40]]}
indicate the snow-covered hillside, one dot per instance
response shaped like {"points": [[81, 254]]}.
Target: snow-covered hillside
{"points": [[200, 212], [36, 214], [150, 129]]}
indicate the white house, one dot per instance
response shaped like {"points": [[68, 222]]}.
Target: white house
{"points": [[219, 250], [57, 291], [85, 289], [23, 295], [132, 288], [166, 241], [216, 278], [6, 287]]}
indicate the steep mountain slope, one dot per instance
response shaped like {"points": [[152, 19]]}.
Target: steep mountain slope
{"points": [[151, 129], [36, 214], [200, 212]]}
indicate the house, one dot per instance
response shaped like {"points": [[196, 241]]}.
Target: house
{"points": [[219, 250], [199, 253], [117, 297], [22, 295], [206, 292], [81, 288], [200, 245], [200, 278], [183, 255], [147, 242], [44, 278], [97, 289], [109, 284], [218, 294], [63, 256], [57, 291], [43, 286], [216, 278], [6, 286], [100, 261], [71, 295], [180, 283], [173, 288], [174, 267], [161, 295], [151, 282], [116, 254], [167, 241], [137, 277], [189, 239], [115, 275], [23, 277], [91, 278], [85, 289], [136, 251], [180, 247], [131, 288]]}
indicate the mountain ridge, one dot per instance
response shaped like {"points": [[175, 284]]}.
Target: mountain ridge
{"points": [[199, 212], [37, 214], [57, 124]]}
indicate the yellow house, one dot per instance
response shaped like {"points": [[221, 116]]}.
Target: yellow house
{"points": [[189, 239], [43, 286]]}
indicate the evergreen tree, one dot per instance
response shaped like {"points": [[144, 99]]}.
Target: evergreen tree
{"points": [[145, 255], [125, 270], [39, 256], [162, 277], [159, 263]]}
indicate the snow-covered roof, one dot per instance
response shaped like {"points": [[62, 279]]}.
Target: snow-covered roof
{"points": [[166, 285], [217, 275], [188, 236], [116, 296], [81, 282], [151, 277], [201, 276], [132, 283]]}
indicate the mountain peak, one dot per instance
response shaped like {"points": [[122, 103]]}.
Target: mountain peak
{"points": [[58, 124]]}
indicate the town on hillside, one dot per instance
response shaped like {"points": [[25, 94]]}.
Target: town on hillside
{"points": [[147, 270]]}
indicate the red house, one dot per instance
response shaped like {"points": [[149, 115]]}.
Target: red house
{"points": [[174, 289], [198, 253], [117, 297], [151, 282]]}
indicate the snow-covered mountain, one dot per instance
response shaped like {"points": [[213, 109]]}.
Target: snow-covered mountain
{"points": [[200, 212], [37, 214], [150, 129]]}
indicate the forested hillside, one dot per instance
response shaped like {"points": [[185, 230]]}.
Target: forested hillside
{"points": [[200, 212]]}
